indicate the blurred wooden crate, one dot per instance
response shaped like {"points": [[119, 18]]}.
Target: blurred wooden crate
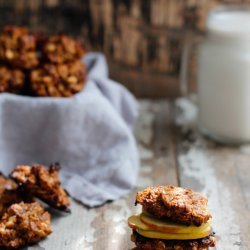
{"points": [[142, 39]]}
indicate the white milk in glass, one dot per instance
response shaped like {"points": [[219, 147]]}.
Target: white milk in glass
{"points": [[224, 77]]}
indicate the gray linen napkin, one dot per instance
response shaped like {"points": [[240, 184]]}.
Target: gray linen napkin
{"points": [[90, 134]]}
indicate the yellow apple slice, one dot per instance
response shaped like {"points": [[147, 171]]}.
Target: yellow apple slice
{"points": [[169, 227], [135, 222], [171, 236]]}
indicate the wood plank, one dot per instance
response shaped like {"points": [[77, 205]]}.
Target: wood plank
{"points": [[155, 29], [144, 83], [70, 231], [106, 227], [165, 145], [221, 173], [113, 217]]}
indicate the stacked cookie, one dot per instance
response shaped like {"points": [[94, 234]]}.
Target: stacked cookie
{"points": [[172, 218], [35, 65]]}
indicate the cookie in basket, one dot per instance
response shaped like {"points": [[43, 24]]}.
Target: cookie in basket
{"points": [[62, 49], [11, 80], [58, 80], [18, 47]]}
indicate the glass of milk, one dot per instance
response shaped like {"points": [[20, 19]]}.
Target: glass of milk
{"points": [[224, 77]]}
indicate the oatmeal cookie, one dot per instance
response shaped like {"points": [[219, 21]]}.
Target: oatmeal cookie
{"points": [[11, 80], [175, 203], [18, 47], [10, 193], [144, 243], [58, 80], [42, 183], [60, 49], [24, 224]]}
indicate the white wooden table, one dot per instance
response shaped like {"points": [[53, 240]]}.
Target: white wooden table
{"points": [[170, 154]]}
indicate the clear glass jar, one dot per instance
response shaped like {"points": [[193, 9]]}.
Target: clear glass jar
{"points": [[224, 77]]}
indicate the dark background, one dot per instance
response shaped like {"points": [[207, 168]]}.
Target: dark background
{"points": [[142, 39]]}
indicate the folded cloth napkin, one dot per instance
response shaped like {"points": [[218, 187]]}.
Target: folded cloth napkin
{"points": [[90, 134]]}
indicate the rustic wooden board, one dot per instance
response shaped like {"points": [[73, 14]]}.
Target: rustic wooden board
{"points": [[142, 39], [170, 154], [221, 173], [106, 227]]}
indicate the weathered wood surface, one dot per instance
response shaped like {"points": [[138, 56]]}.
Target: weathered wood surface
{"points": [[170, 154], [142, 39], [222, 174]]}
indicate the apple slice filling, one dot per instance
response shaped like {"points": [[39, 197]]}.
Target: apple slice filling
{"points": [[151, 227]]}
